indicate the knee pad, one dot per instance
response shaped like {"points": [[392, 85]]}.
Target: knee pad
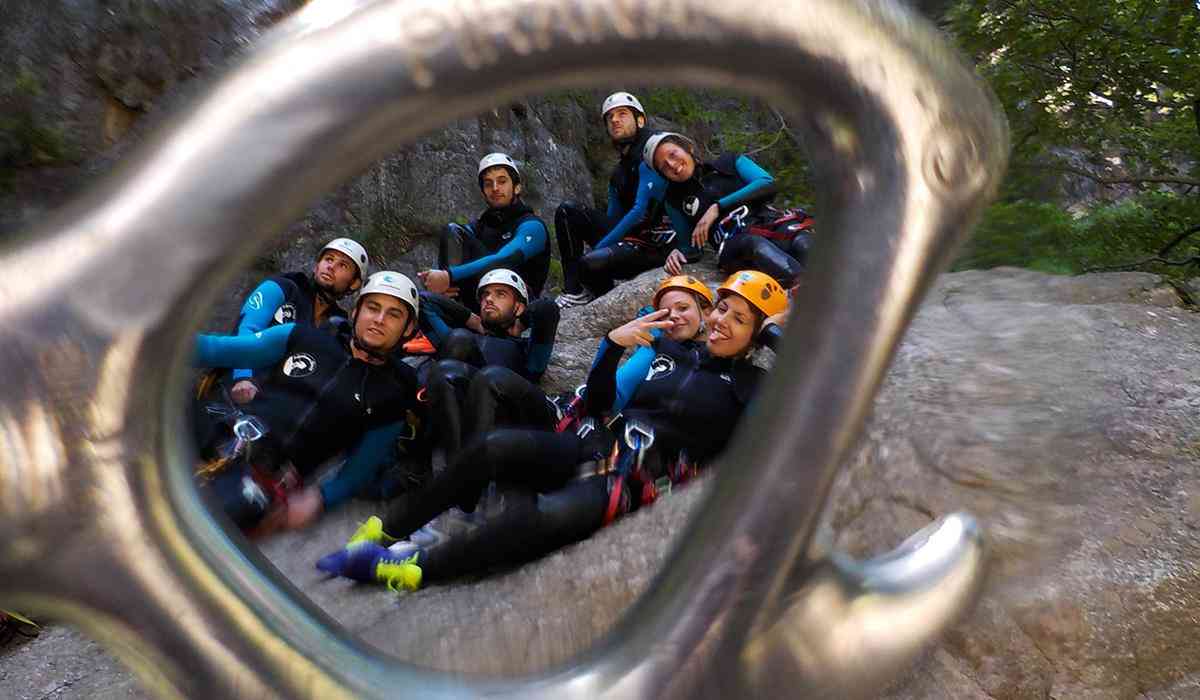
{"points": [[456, 373], [459, 345]]}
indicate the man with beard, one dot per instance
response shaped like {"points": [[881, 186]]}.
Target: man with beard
{"points": [[506, 235], [305, 298], [628, 239], [509, 354], [323, 393]]}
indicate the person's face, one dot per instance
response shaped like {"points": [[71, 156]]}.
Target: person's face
{"points": [[674, 162], [499, 190], [622, 123], [499, 305], [381, 322], [336, 272], [685, 314], [731, 326]]}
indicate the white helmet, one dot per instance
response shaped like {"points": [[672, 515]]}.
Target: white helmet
{"points": [[351, 249], [506, 277], [393, 284], [491, 160], [621, 99], [653, 142]]}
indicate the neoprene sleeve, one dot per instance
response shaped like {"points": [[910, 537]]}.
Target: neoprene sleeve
{"points": [[651, 188], [370, 452], [530, 239], [257, 313], [757, 182], [261, 349]]}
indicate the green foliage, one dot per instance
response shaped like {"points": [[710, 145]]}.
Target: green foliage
{"points": [[1041, 236], [1116, 78], [1107, 91]]}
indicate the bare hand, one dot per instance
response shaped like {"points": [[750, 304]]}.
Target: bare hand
{"points": [[243, 392], [474, 323], [700, 233], [675, 262], [436, 281], [303, 508], [637, 331]]}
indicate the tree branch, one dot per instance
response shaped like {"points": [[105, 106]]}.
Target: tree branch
{"points": [[1159, 257], [1123, 180]]}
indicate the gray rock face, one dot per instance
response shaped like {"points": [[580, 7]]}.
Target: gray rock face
{"points": [[1063, 412]]}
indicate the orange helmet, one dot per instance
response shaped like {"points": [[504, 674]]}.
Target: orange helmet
{"points": [[759, 289], [686, 283]]}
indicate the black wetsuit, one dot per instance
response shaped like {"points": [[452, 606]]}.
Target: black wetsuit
{"points": [[689, 400], [621, 240], [511, 237], [731, 181], [317, 399], [463, 351]]}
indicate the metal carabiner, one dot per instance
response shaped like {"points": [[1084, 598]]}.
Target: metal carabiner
{"points": [[907, 152]]}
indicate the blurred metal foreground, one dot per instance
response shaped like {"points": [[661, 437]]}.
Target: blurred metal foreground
{"points": [[99, 523]]}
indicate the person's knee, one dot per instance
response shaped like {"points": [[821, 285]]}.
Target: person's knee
{"points": [[492, 379], [460, 344], [453, 373]]}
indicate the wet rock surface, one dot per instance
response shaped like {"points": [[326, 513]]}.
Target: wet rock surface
{"points": [[1061, 411]]}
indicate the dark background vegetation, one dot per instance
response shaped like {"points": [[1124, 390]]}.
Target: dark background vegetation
{"points": [[1102, 99]]}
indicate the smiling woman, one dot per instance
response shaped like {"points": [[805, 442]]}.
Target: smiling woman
{"points": [[209, 623]]}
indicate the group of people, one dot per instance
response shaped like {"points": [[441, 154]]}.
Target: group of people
{"points": [[452, 371]]}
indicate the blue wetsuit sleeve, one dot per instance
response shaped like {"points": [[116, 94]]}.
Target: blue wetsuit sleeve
{"points": [[371, 451], [631, 374], [651, 188], [529, 240], [257, 313], [758, 182], [257, 350], [614, 203]]}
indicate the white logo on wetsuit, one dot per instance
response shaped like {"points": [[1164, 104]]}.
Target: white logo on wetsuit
{"points": [[661, 367], [506, 235], [691, 205], [256, 301], [727, 378], [299, 365], [285, 314]]}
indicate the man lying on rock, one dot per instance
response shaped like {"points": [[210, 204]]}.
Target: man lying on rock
{"points": [[505, 348], [305, 298], [628, 239], [559, 487], [506, 235], [322, 393]]}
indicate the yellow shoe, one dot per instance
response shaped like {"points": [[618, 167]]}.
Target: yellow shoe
{"points": [[399, 573], [371, 531]]}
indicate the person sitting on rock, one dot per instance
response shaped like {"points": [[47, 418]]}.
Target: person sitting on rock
{"points": [[305, 298], [506, 235], [511, 340], [322, 393], [558, 488], [624, 241], [701, 193]]}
